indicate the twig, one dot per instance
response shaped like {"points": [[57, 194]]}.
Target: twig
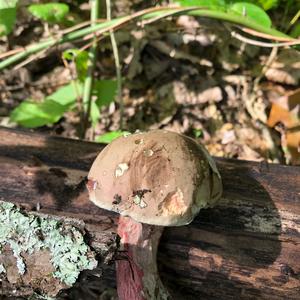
{"points": [[61, 33], [262, 44], [295, 18], [81, 25], [117, 64], [12, 52], [266, 36], [87, 33], [252, 98], [30, 59], [147, 13], [156, 18], [143, 13], [88, 83], [86, 46], [267, 65], [36, 48]]}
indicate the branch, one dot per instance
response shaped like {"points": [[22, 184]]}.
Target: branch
{"points": [[262, 44]]}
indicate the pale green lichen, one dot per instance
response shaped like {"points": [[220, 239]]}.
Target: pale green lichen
{"points": [[30, 233]]}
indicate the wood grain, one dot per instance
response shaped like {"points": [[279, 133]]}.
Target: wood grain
{"points": [[248, 247]]}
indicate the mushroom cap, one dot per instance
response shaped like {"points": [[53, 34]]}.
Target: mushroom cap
{"points": [[158, 177]]}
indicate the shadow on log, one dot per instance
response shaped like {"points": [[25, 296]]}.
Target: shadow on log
{"points": [[230, 249], [248, 247]]}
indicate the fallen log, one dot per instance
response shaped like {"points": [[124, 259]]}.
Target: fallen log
{"points": [[248, 247]]}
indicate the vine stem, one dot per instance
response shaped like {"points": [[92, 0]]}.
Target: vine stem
{"points": [[117, 64], [149, 13], [88, 82]]}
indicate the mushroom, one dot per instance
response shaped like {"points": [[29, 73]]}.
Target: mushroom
{"points": [[152, 180]]}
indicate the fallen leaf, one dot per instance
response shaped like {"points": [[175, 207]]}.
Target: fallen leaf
{"points": [[286, 111]]}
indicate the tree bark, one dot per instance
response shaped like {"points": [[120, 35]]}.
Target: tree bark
{"points": [[248, 247]]}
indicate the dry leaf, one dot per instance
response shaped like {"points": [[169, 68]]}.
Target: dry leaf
{"points": [[286, 111]]}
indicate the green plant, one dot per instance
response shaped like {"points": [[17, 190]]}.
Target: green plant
{"points": [[8, 12], [49, 12], [32, 114], [84, 94], [110, 136]]}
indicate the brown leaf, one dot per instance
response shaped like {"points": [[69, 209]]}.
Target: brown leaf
{"points": [[286, 111]]}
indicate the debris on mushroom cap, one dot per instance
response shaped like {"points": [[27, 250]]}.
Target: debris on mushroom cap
{"points": [[163, 179], [121, 168], [148, 152]]}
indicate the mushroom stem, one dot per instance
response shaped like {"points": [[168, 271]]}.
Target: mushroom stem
{"points": [[137, 277]]}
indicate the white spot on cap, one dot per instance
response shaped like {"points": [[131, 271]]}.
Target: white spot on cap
{"points": [[139, 201], [143, 204], [120, 170], [148, 152]]}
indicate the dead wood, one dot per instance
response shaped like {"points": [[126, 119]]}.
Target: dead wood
{"points": [[248, 247]]}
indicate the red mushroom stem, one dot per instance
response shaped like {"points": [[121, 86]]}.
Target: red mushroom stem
{"points": [[137, 276]]}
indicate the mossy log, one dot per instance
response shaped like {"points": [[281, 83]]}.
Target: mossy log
{"points": [[248, 247]]}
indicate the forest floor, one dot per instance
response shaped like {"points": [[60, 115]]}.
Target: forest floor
{"points": [[192, 77]]}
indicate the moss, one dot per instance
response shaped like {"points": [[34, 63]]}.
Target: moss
{"points": [[29, 233]]}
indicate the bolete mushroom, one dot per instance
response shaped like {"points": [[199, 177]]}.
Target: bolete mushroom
{"points": [[152, 179]]}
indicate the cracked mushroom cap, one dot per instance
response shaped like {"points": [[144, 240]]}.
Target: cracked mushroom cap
{"points": [[158, 177]]}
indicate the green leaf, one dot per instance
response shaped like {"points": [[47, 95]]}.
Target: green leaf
{"points": [[8, 4], [70, 54], [95, 113], [268, 4], [81, 59], [31, 114], [203, 3], [252, 12], [198, 133], [7, 20], [49, 12], [105, 91], [110, 136], [265, 4], [67, 94], [35, 114], [295, 31]]}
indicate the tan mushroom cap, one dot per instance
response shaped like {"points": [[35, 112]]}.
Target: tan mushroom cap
{"points": [[158, 177]]}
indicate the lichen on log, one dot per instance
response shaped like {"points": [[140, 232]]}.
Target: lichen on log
{"points": [[41, 253]]}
